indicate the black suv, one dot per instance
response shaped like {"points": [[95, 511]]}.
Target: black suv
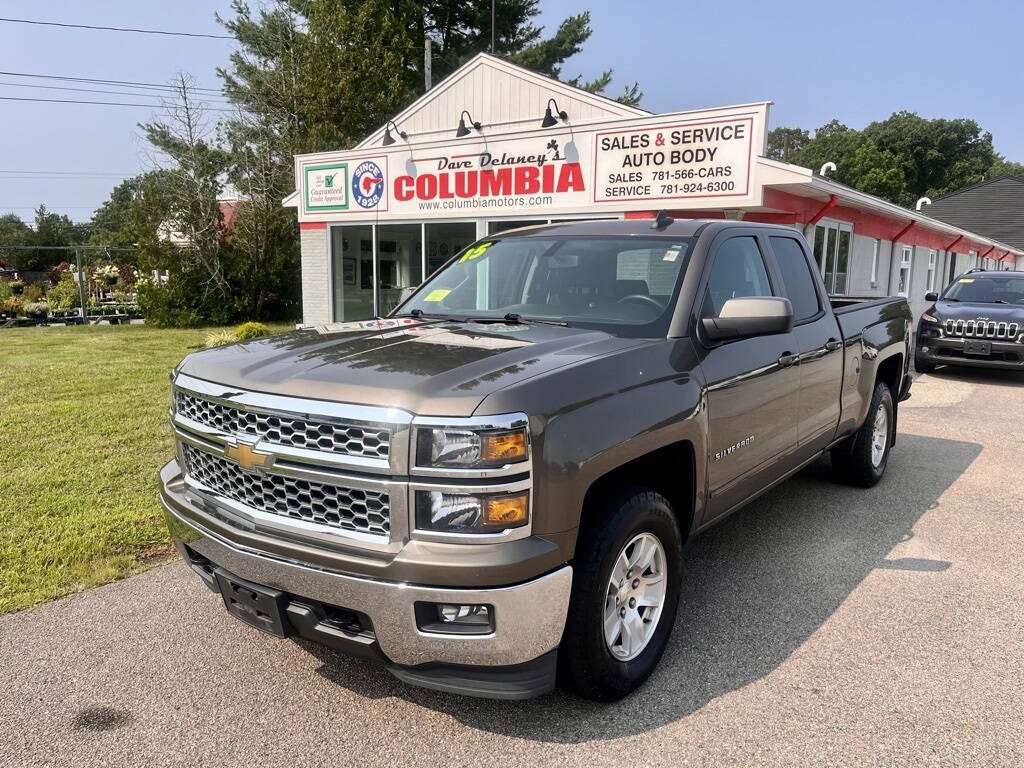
{"points": [[978, 321]]}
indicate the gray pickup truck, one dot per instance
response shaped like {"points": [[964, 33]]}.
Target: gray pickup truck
{"points": [[491, 489]]}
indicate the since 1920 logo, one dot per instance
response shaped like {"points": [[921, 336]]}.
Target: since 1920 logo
{"points": [[368, 184]]}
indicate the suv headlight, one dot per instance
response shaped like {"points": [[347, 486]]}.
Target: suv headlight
{"points": [[929, 318], [471, 447]]}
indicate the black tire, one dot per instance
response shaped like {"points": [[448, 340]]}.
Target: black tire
{"points": [[921, 366], [586, 665], [852, 460]]}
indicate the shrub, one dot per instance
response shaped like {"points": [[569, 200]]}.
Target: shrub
{"points": [[5, 290], [17, 287], [64, 295], [160, 308], [220, 338], [32, 293], [247, 331], [37, 310], [12, 305]]}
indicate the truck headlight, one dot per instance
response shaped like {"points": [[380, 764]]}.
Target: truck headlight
{"points": [[448, 512], [468, 447]]}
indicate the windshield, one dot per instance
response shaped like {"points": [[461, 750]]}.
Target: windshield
{"points": [[626, 285], [987, 290]]}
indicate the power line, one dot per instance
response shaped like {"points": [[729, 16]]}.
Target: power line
{"points": [[107, 103], [163, 86], [118, 29], [221, 100], [71, 173]]}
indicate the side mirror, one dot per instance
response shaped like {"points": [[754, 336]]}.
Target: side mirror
{"points": [[931, 296], [753, 316]]}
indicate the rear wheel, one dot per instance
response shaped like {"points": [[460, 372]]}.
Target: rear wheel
{"points": [[624, 596], [862, 460]]}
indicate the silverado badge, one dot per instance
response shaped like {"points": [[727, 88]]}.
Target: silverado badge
{"points": [[248, 457]]}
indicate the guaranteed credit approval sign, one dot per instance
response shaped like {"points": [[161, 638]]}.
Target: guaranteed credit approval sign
{"points": [[702, 159]]}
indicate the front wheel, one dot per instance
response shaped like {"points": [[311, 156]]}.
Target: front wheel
{"points": [[628, 568], [862, 460], [921, 366]]}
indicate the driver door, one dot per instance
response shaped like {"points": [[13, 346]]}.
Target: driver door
{"points": [[752, 384]]}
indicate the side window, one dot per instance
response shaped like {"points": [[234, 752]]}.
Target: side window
{"points": [[738, 271], [796, 277]]}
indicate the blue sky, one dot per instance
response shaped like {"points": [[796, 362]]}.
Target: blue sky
{"points": [[855, 62]]}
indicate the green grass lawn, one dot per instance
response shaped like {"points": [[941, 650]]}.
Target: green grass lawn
{"points": [[83, 433]]}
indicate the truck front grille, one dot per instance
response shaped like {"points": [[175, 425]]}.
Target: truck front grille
{"points": [[335, 506], [981, 329], [352, 439]]}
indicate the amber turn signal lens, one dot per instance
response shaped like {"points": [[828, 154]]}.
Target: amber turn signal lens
{"points": [[503, 446], [506, 511]]}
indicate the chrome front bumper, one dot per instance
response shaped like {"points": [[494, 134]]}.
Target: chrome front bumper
{"points": [[529, 617]]}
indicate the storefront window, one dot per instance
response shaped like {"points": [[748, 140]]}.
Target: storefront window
{"points": [[832, 252], [351, 273], [445, 239]]}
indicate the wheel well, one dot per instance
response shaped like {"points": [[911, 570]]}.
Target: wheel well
{"points": [[668, 470], [891, 372]]}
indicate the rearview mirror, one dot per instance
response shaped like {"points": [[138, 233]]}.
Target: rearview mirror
{"points": [[931, 296], [753, 316]]}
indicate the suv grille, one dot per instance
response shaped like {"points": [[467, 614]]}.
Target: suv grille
{"points": [[980, 329], [370, 441], [350, 509]]}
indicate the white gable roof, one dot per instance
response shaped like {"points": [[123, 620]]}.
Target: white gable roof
{"points": [[496, 93]]}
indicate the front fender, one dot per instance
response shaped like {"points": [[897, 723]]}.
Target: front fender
{"points": [[591, 418]]}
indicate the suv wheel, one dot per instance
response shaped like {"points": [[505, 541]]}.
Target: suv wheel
{"points": [[862, 459], [921, 366], [624, 596]]}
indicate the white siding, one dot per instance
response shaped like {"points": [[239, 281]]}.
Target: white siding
{"points": [[316, 276], [495, 92]]}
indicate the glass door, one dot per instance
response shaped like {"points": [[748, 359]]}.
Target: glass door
{"points": [[832, 241], [399, 263], [351, 273]]}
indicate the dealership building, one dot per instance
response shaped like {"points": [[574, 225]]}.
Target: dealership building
{"points": [[494, 147]]}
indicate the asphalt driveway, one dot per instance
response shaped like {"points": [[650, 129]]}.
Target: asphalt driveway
{"points": [[822, 626]]}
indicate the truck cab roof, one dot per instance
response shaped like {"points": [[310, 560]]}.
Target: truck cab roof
{"points": [[635, 227]]}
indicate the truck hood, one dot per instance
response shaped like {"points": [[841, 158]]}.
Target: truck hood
{"points": [[430, 368]]}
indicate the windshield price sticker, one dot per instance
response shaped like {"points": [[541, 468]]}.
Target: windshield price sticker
{"points": [[438, 294], [710, 159]]}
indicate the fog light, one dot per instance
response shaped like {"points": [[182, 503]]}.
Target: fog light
{"points": [[455, 619], [464, 614]]}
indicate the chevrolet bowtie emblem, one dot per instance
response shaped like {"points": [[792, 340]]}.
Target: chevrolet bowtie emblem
{"points": [[248, 457]]}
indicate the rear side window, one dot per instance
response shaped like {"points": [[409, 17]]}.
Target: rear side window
{"points": [[796, 277], [738, 272]]}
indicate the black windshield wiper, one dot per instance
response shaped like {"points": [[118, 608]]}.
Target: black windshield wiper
{"points": [[514, 318], [999, 301], [419, 314]]}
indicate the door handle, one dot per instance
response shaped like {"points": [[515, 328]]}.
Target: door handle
{"points": [[832, 345], [787, 359]]}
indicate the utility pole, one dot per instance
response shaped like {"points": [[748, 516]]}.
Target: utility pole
{"points": [[426, 63], [492, 26], [81, 283]]}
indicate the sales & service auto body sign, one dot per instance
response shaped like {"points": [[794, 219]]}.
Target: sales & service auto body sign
{"points": [[690, 160]]}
